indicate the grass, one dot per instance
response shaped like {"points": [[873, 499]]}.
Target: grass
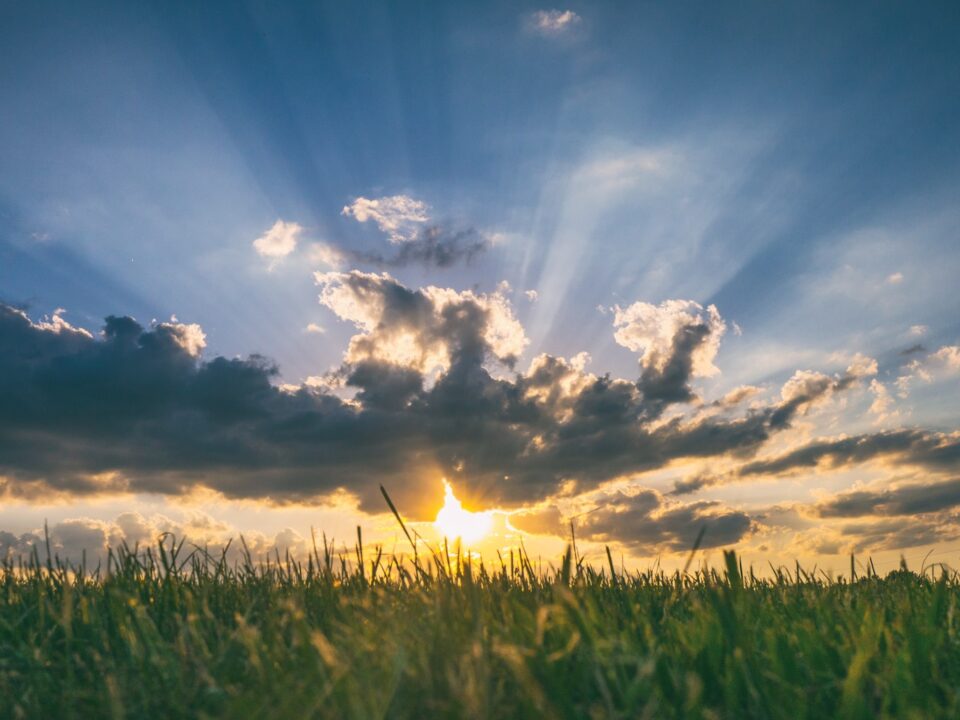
{"points": [[170, 632]]}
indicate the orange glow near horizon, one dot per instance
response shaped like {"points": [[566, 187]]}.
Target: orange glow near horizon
{"points": [[455, 522]]}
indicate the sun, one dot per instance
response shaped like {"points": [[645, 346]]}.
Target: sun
{"points": [[455, 522]]}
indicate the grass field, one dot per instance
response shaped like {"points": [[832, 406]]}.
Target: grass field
{"points": [[170, 633]]}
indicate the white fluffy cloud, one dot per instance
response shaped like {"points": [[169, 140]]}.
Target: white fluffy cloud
{"points": [[399, 216], [188, 336], [652, 330], [279, 241], [417, 328]]}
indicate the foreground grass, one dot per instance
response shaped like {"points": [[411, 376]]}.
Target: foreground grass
{"points": [[171, 634]]}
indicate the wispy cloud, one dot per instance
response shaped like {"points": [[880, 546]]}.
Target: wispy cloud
{"points": [[320, 253], [434, 246], [938, 365], [553, 22]]}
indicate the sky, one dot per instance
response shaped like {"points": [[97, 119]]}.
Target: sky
{"points": [[643, 268]]}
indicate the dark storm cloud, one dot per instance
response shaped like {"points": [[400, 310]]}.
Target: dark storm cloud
{"points": [[647, 523], [138, 409]]}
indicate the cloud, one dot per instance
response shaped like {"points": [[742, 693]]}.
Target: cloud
{"points": [[647, 522], [862, 521], [278, 242], [946, 358], [807, 389], [408, 226], [643, 520], [433, 246], [861, 366], [86, 539], [877, 535], [399, 216], [913, 350], [421, 329], [895, 278], [938, 365], [739, 395], [428, 388], [531, 295], [55, 323], [190, 337], [692, 484], [911, 499], [883, 402], [898, 534], [921, 448], [326, 254], [553, 22], [655, 331], [541, 521], [315, 329], [677, 340]]}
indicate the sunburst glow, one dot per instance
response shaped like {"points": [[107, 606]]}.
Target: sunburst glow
{"points": [[455, 522]]}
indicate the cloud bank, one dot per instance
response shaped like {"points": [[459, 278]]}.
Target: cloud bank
{"points": [[430, 386]]}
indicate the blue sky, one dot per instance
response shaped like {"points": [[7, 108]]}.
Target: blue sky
{"points": [[795, 165]]}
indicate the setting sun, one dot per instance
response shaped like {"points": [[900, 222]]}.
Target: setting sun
{"points": [[455, 522]]}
